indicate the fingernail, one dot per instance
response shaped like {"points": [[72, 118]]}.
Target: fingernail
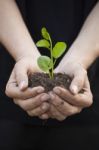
{"points": [[57, 91], [22, 85], [44, 107], [74, 89], [44, 98], [40, 90]]}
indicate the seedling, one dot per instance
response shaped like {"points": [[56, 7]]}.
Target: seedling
{"points": [[46, 63]]}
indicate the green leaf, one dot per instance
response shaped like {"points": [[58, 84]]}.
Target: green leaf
{"points": [[43, 43], [45, 34], [45, 63], [59, 49]]}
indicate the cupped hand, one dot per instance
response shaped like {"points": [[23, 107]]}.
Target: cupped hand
{"points": [[64, 103], [33, 100], [76, 71], [22, 69]]}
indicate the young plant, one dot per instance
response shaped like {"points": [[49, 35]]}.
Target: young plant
{"points": [[46, 63]]}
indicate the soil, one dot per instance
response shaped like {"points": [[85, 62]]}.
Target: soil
{"points": [[42, 79]]}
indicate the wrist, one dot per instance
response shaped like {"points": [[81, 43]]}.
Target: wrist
{"points": [[82, 55], [31, 53]]}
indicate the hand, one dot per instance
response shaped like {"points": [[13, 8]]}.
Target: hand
{"points": [[66, 102], [32, 100], [76, 71], [22, 68]]}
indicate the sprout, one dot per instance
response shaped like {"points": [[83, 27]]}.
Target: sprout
{"points": [[46, 63]]}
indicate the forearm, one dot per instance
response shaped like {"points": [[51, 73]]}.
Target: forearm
{"points": [[85, 48], [13, 32]]}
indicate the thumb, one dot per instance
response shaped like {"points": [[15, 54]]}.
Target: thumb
{"points": [[78, 82], [56, 70], [21, 77]]}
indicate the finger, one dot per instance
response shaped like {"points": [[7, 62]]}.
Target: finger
{"points": [[87, 93], [13, 91], [21, 75], [32, 103], [86, 84], [80, 100], [55, 114], [56, 70], [12, 77], [62, 106], [39, 110], [44, 116], [78, 81]]}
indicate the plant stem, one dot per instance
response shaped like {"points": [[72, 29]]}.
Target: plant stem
{"points": [[51, 50], [55, 62]]}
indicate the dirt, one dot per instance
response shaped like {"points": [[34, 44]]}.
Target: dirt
{"points": [[42, 79]]}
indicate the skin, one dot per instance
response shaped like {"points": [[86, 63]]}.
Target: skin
{"points": [[15, 37], [64, 103], [79, 57], [31, 100]]}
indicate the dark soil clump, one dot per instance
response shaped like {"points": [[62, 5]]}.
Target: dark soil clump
{"points": [[42, 79]]}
